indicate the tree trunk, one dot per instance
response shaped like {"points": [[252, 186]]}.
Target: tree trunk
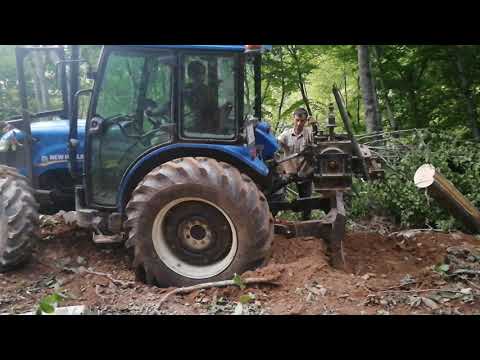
{"points": [[441, 189], [36, 87], [247, 92], [282, 102], [282, 98], [367, 85], [301, 81], [412, 99], [359, 95], [346, 90], [468, 94], [388, 105], [39, 68], [265, 92]]}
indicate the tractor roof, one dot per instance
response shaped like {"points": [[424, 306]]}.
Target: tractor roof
{"points": [[227, 48]]}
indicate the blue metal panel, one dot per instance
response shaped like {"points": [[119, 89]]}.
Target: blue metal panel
{"points": [[239, 152], [50, 150], [265, 139]]}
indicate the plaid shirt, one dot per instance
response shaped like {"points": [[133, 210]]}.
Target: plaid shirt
{"points": [[291, 144], [9, 141]]}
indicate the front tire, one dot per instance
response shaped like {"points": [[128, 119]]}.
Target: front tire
{"points": [[19, 225], [197, 220]]}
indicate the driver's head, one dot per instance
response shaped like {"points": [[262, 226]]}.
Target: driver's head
{"points": [[196, 72], [5, 127], [300, 119]]}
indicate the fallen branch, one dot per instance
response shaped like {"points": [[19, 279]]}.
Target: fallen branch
{"points": [[109, 277], [406, 233], [465, 272], [418, 291], [473, 284], [185, 290]]}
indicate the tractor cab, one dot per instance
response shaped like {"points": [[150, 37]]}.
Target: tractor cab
{"points": [[148, 98]]}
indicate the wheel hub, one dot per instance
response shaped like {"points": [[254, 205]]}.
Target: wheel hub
{"points": [[194, 238], [196, 235]]}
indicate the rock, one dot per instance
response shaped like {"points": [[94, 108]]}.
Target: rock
{"points": [[70, 310], [430, 303], [368, 276], [317, 289], [466, 291], [238, 309], [70, 217]]}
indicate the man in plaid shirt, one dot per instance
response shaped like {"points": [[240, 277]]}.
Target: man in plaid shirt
{"points": [[294, 141]]}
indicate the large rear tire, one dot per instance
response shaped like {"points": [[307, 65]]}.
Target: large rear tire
{"points": [[197, 220], [19, 223]]}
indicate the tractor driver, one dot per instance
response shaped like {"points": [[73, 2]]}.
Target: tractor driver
{"points": [[196, 96], [293, 141], [8, 137]]}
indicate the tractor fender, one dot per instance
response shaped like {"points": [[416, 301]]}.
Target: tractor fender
{"points": [[235, 155]]}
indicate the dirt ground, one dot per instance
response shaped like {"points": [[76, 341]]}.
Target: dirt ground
{"points": [[409, 272]]}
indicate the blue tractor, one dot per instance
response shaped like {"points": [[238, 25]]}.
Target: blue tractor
{"points": [[172, 159]]}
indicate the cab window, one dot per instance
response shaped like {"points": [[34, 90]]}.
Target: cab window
{"points": [[209, 108]]}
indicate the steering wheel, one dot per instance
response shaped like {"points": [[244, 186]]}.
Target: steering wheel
{"points": [[156, 122], [150, 115]]}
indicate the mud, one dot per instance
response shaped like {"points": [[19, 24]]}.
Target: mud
{"points": [[386, 274]]}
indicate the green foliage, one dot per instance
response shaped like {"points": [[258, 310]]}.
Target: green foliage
{"points": [[458, 160], [442, 268], [237, 280], [9, 96], [49, 303], [246, 299]]}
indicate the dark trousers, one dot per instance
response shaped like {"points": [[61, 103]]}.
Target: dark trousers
{"points": [[305, 190]]}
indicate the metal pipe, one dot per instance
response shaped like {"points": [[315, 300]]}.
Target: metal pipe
{"points": [[74, 86], [27, 118], [258, 86]]}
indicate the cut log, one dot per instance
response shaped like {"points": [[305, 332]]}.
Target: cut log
{"points": [[442, 190]]}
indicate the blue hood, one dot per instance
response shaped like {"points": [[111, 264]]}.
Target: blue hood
{"points": [[50, 148]]}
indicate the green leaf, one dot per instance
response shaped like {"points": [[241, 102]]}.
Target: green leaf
{"points": [[49, 303], [443, 268], [46, 307], [57, 297], [245, 299], [239, 282]]}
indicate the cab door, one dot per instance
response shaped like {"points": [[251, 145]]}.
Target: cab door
{"points": [[131, 113]]}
